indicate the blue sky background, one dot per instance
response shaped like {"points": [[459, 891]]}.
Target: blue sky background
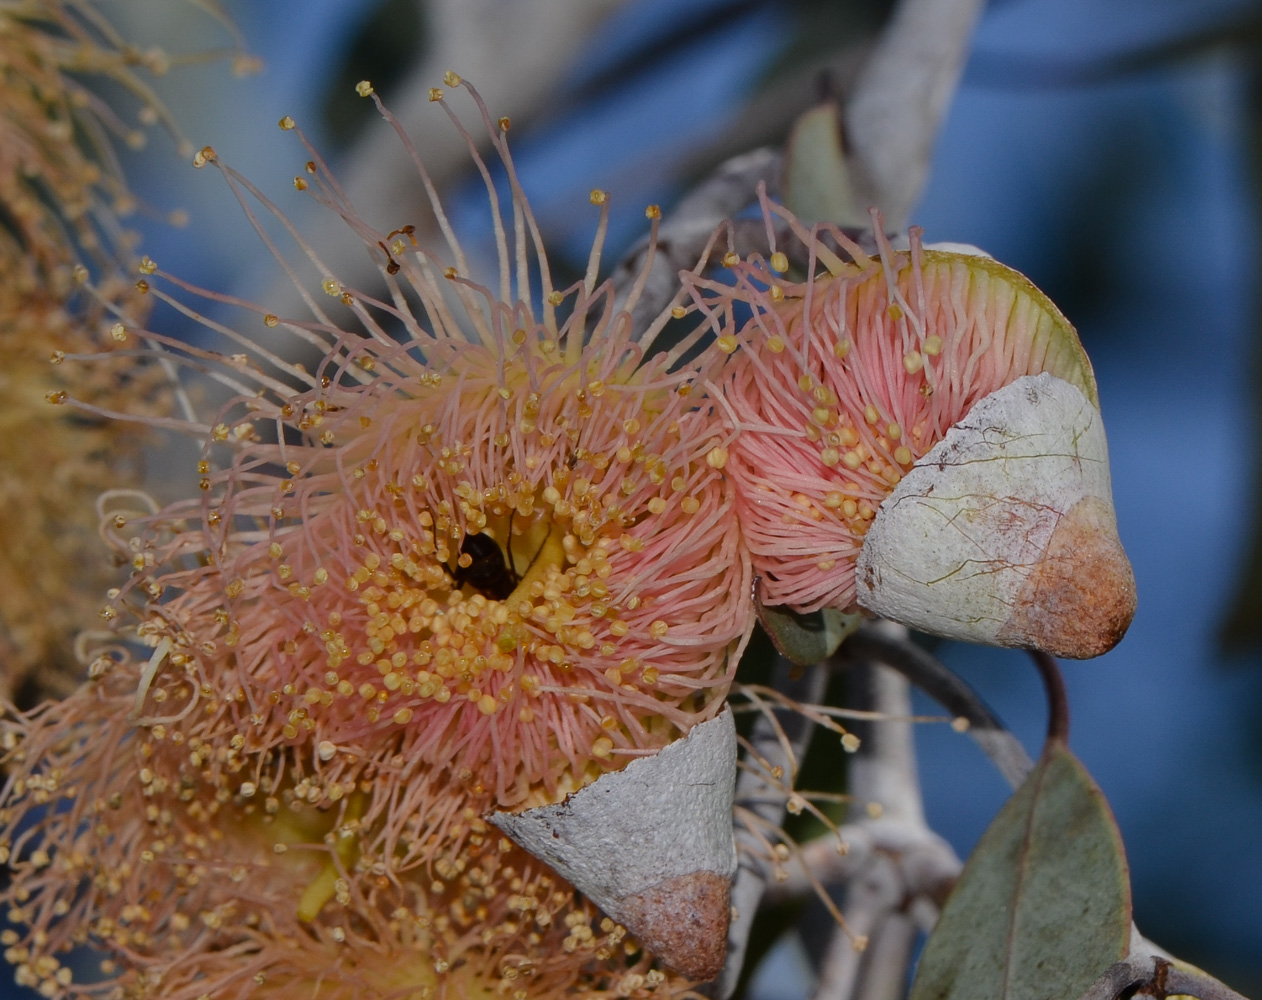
{"points": [[1130, 202]]}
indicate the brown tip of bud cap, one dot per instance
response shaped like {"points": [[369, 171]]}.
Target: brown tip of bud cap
{"points": [[684, 922], [1079, 600]]}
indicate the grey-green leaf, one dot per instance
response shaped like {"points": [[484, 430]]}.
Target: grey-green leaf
{"points": [[805, 639], [816, 182], [1043, 905]]}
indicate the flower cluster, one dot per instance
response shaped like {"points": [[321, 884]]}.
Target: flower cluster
{"points": [[480, 554], [493, 544]]}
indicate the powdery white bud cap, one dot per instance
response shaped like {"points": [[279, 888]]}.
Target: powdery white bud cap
{"points": [[1004, 532], [652, 845]]}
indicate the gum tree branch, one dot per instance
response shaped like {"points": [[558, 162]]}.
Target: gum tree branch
{"points": [[927, 864], [765, 796], [884, 970], [870, 900], [684, 233], [900, 99], [1145, 975], [949, 690], [884, 785]]}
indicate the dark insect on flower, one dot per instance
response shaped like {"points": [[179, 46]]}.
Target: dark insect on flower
{"points": [[488, 572]]}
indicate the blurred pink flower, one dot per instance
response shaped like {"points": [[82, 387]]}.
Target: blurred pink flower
{"points": [[199, 870]]}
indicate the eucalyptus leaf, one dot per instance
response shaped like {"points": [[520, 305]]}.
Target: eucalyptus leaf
{"points": [[805, 639], [1043, 906], [817, 184]]}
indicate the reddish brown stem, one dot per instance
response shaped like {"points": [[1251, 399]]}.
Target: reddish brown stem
{"points": [[1057, 700]]}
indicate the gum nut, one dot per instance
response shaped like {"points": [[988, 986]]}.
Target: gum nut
{"points": [[1004, 532], [652, 845]]}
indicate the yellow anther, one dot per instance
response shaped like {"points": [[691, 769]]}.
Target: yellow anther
{"points": [[913, 362], [779, 262], [653, 212], [902, 455], [933, 345], [435, 93], [118, 332], [716, 457], [504, 123], [451, 79], [870, 414], [598, 197], [731, 259], [775, 344], [287, 123], [726, 343]]}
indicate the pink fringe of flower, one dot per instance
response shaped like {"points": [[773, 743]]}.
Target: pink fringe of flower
{"points": [[841, 382], [315, 583]]}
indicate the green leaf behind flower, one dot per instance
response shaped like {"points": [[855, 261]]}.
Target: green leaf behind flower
{"points": [[804, 639], [1043, 906]]}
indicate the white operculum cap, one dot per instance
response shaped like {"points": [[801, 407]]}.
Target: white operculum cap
{"points": [[652, 845], [1004, 533]]}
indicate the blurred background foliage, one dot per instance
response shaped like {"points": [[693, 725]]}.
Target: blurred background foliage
{"points": [[1112, 152]]}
